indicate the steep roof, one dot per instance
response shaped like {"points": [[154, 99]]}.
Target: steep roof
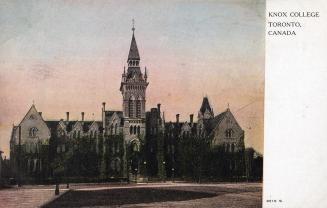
{"points": [[205, 105], [87, 125], [52, 125], [133, 51], [209, 125], [110, 113]]}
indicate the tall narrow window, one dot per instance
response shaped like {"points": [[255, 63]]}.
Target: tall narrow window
{"points": [[138, 130], [229, 133], [131, 130], [138, 109], [134, 129], [131, 108], [116, 132], [33, 131]]}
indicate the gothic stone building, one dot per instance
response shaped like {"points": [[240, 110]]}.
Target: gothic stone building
{"points": [[129, 142]]}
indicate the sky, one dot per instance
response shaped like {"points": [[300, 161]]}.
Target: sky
{"points": [[69, 55]]}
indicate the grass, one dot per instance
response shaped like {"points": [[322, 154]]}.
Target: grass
{"points": [[112, 197]]}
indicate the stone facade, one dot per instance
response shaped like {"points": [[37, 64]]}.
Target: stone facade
{"points": [[123, 143]]}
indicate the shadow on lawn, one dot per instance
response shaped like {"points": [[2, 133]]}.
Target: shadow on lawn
{"points": [[123, 196]]}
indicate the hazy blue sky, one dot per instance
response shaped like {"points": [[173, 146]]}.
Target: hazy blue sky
{"points": [[69, 56]]}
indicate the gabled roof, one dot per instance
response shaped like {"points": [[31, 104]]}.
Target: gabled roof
{"points": [[70, 125], [133, 51], [32, 108], [209, 125], [52, 125], [110, 113], [87, 125]]}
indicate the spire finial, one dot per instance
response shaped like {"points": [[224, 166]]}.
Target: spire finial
{"points": [[133, 23], [227, 105]]}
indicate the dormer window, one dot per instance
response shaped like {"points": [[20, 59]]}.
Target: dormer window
{"points": [[33, 131], [61, 133]]}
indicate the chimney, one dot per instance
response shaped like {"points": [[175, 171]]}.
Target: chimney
{"points": [[177, 118], [82, 116], [104, 106], [67, 116], [158, 105], [40, 113], [191, 118]]}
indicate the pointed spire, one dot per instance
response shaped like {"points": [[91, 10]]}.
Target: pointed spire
{"points": [[145, 74], [133, 28], [124, 70], [133, 51], [205, 105]]}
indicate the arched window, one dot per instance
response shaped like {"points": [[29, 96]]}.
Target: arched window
{"points": [[233, 147], [134, 129], [135, 147], [229, 133], [117, 165], [33, 131], [131, 130], [138, 130], [138, 109], [131, 108], [111, 129]]}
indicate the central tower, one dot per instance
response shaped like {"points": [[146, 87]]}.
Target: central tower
{"points": [[133, 88]]}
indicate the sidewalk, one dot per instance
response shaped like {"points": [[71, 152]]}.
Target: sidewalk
{"points": [[27, 197]]}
